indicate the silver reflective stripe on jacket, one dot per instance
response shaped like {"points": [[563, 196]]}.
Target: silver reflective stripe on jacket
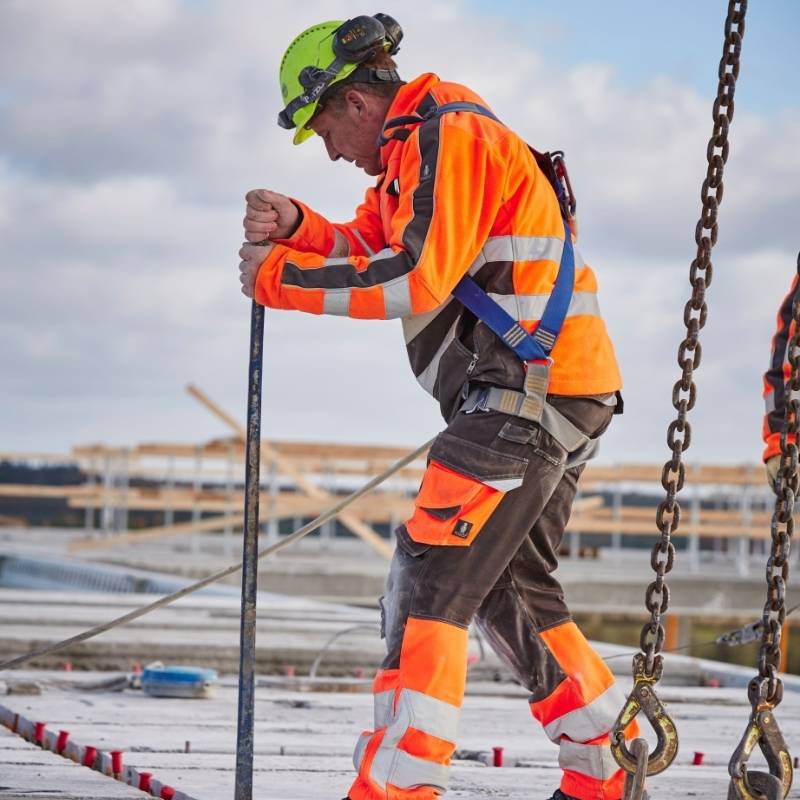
{"points": [[523, 248], [769, 400], [397, 297], [531, 306], [394, 766], [357, 233], [427, 377], [341, 247]]}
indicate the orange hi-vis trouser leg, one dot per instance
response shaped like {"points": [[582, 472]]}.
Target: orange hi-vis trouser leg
{"points": [[468, 554], [416, 716], [578, 715]]}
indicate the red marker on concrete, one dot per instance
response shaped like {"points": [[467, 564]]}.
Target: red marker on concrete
{"points": [[61, 742], [698, 758], [38, 733], [144, 781], [167, 793], [498, 756], [116, 763], [89, 755]]}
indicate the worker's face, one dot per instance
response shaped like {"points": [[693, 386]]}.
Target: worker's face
{"points": [[351, 131]]}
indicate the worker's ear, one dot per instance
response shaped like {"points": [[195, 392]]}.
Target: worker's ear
{"points": [[356, 104]]}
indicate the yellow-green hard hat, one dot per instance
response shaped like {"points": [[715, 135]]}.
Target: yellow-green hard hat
{"points": [[313, 48], [325, 54]]}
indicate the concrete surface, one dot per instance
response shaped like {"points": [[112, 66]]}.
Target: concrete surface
{"points": [[304, 742]]}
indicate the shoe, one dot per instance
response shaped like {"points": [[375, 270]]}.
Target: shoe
{"points": [[557, 795]]}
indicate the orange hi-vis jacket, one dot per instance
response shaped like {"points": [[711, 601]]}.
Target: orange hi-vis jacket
{"points": [[778, 372], [460, 194]]}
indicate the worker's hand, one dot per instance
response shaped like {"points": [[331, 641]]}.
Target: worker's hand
{"points": [[269, 215], [252, 258], [773, 465]]}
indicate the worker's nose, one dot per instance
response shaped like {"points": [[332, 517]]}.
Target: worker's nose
{"points": [[333, 153]]}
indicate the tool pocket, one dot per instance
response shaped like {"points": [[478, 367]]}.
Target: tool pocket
{"points": [[462, 486]]}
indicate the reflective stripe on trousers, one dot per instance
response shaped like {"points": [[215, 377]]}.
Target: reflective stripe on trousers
{"points": [[391, 765], [417, 709], [579, 714]]}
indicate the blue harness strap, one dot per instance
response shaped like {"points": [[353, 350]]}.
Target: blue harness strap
{"points": [[529, 347]]}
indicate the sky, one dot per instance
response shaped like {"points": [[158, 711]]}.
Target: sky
{"points": [[130, 131]]}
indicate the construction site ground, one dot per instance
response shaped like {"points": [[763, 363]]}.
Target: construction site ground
{"points": [[304, 738], [304, 741]]}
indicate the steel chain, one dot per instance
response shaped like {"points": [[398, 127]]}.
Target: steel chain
{"points": [[684, 393], [765, 691]]}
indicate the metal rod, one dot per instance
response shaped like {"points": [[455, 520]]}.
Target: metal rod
{"points": [[247, 653]]}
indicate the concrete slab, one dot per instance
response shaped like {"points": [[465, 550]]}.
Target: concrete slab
{"points": [[304, 740], [291, 632], [29, 773]]}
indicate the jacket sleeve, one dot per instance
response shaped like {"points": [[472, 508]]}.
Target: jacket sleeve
{"points": [[778, 372], [451, 187], [361, 236]]}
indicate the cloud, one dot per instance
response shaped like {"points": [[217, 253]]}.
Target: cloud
{"points": [[130, 133]]}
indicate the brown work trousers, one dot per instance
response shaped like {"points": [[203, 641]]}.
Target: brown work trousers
{"points": [[483, 544], [504, 578]]}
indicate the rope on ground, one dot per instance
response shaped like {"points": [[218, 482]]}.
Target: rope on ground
{"points": [[330, 513]]}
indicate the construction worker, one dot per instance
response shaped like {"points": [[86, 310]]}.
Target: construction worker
{"points": [[775, 381], [460, 204]]}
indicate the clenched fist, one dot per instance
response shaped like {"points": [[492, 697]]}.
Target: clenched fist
{"points": [[252, 257], [269, 215]]}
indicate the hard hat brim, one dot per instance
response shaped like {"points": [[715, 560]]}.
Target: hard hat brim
{"points": [[303, 134]]}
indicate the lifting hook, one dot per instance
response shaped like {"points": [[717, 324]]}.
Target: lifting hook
{"points": [[762, 730], [643, 698]]}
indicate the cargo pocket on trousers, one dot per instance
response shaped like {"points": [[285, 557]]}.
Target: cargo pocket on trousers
{"points": [[457, 498]]}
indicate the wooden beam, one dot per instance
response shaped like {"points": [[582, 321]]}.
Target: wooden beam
{"points": [[347, 518], [160, 532], [217, 411]]}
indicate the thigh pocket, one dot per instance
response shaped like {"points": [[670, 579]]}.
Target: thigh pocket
{"points": [[463, 485]]}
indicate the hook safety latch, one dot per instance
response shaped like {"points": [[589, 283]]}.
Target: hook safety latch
{"points": [[643, 698], [762, 730]]}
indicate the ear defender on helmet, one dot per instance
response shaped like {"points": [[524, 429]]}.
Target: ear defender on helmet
{"points": [[347, 45], [361, 37]]}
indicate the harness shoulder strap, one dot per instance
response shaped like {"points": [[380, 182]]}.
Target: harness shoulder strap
{"points": [[533, 349], [528, 347]]}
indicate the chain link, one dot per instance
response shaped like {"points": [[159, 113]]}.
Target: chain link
{"points": [[782, 526], [684, 393]]}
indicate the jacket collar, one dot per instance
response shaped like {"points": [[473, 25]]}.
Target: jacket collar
{"points": [[411, 98]]}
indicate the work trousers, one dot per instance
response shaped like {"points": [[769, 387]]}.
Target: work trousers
{"points": [[482, 544]]}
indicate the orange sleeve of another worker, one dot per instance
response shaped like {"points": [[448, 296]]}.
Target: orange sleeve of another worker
{"points": [[778, 373], [452, 184]]}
